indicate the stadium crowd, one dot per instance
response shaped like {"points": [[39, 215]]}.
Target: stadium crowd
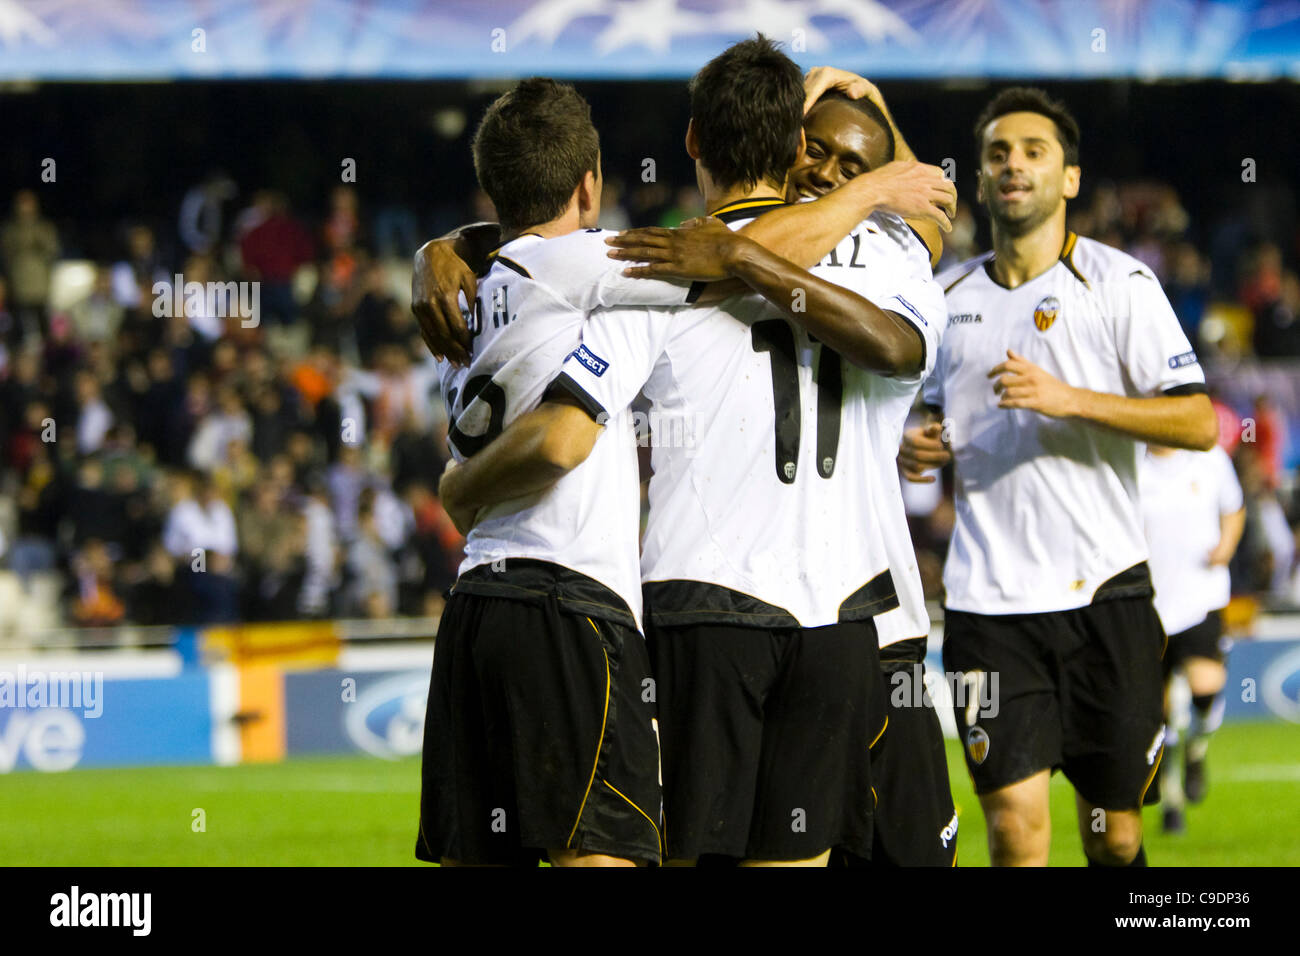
{"points": [[180, 465]]}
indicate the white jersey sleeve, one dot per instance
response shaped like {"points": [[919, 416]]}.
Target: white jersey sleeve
{"points": [[618, 352], [911, 291], [578, 265], [1152, 345]]}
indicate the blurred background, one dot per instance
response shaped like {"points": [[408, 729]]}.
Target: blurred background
{"points": [[229, 520]]}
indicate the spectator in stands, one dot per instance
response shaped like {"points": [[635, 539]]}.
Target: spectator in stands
{"points": [[134, 276], [30, 245], [274, 247], [97, 317]]}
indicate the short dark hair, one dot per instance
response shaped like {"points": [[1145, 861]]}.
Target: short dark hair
{"points": [[1028, 99], [532, 148], [871, 111], [747, 104]]}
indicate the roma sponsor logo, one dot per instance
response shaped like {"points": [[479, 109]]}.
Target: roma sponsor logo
{"points": [[1045, 313]]}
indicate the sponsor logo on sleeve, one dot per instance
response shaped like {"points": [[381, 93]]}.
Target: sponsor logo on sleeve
{"points": [[1178, 361], [591, 361]]}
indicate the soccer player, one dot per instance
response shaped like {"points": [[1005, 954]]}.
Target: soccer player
{"points": [[1193, 513], [538, 737], [1060, 356], [849, 131], [764, 563]]}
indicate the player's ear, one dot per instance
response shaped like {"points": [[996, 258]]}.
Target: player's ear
{"points": [[979, 186], [692, 142], [1072, 176], [588, 192]]}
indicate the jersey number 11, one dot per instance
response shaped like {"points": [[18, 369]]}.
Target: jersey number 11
{"points": [[776, 337]]}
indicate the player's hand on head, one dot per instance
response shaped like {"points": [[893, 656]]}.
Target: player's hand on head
{"points": [[822, 78], [914, 190], [1019, 383], [923, 450], [701, 249], [438, 276]]}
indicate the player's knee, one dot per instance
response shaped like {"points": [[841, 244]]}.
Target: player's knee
{"points": [[1015, 834], [1117, 845]]}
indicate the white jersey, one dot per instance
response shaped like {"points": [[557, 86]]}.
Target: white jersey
{"points": [[1183, 497], [1047, 509], [770, 447], [526, 319]]}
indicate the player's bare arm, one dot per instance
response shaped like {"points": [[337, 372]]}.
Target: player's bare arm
{"points": [[1231, 527], [441, 269], [1179, 421], [705, 249], [924, 450], [533, 453], [822, 78], [805, 233]]}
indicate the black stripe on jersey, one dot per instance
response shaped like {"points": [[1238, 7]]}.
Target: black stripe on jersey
{"points": [[1131, 582], [694, 292], [1067, 257], [683, 603], [563, 386], [534, 581], [928, 250], [1191, 388], [511, 264], [919, 334], [906, 652], [747, 209], [965, 275], [874, 597]]}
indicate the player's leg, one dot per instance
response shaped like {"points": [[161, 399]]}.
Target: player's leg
{"points": [[711, 681], [1005, 704], [1113, 724], [1206, 675], [575, 755], [813, 789], [915, 821], [466, 779], [1019, 821], [1177, 719], [1110, 837]]}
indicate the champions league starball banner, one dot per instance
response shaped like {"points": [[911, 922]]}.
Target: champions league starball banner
{"points": [[199, 39]]}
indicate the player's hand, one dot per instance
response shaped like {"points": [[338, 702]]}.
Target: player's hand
{"points": [[822, 78], [923, 450], [701, 249], [450, 493], [437, 275], [914, 190], [1022, 384]]}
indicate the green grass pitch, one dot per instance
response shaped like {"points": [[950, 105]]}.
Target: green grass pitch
{"points": [[360, 811]]}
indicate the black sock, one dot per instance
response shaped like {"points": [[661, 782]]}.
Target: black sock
{"points": [[1203, 703], [1139, 860]]}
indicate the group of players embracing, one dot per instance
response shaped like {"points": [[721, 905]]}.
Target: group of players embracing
{"points": [[720, 686]]}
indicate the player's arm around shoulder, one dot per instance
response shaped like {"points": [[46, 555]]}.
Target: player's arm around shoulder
{"points": [[534, 452]]}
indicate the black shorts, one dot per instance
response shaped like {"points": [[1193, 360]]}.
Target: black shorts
{"points": [[765, 735], [915, 820], [1201, 640], [539, 735], [1076, 690]]}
